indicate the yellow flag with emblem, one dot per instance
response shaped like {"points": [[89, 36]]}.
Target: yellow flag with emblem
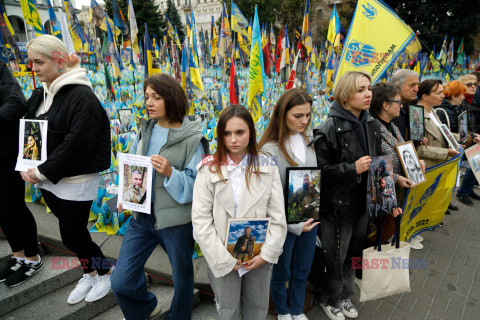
{"points": [[375, 39]]}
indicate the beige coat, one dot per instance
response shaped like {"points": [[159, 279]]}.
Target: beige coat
{"points": [[436, 150], [213, 204]]}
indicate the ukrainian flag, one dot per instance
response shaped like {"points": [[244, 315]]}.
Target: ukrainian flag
{"points": [[32, 17], [239, 22], [148, 54], [256, 85]]}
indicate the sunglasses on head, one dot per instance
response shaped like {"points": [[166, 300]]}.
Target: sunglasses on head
{"points": [[471, 84]]}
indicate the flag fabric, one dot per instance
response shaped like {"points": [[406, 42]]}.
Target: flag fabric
{"points": [[460, 54], [98, 17], [66, 35], [213, 32], [414, 46], [75, 27], [306, 34], [32, 17], [108, 82], [278, 52], [5, 21], [233, 84], [334, 28], [375, 39], [148, 54], [239, 22], [442, 55], [285, 59], [7, 38], [195, 79], [184, 68], [293, 73], [54, 23], [118, 19], [113, 52], [449, 63], [133, 32], [256, 84], [224, 40]]}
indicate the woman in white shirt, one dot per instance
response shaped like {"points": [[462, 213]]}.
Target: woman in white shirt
{"points": [[236, 183], [286, 140]]}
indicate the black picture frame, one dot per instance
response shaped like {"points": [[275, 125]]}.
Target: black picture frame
{"points": [[291, 205], [463, 134], [416, 128]]}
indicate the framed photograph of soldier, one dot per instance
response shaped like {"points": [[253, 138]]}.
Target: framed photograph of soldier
{"points": [[108, 181], [135, 182], [214, 95], [463, 127], [416, 122], [447, 134], [125, 116], [473, 156], [410, 163], [32, 144], [381, 197], [246, 236], [302, 196]]}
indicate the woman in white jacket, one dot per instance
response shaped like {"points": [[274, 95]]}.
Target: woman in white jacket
{"points": [[236, 183]]}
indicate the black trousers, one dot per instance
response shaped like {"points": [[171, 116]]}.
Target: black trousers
{"points": [[16, 220], [73, 219]]}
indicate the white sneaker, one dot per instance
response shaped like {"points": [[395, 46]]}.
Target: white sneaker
{"points": [[284, 316], [415, 244], [100, 288], [300, 317], [155, 311], [348, 309], [419, 238], [82, 289], [332, 312]]}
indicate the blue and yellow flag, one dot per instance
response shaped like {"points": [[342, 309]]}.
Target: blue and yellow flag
{"points": [[184, 67], [425, 204], [224, 40], [256, 84], [112, 51], [7, 22], [148, 54], [306, 33], [133, 32], [333, 34], [32, 17], [195, 79], [54, 22], [375, 39], [75, 27], [239, 22], [118, 19]]}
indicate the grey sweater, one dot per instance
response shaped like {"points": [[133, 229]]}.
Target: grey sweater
{"points": [[272, 149]]}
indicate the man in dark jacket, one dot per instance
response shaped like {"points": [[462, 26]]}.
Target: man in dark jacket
{"points": [[408, 81], [16, 220]]}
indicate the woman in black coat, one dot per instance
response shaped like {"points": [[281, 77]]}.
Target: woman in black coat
{"points": [[344, 145], [16, 220]]}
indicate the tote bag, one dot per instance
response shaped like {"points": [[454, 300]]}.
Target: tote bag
{"points": [[386, 269]]}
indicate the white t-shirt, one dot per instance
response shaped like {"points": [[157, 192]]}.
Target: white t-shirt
{"points": [[297, 146]]}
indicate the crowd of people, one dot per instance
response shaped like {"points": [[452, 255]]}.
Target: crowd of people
{"points": [[194, 194]]}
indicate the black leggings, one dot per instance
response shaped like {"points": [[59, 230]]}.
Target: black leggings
{"points": [[16, 221], [73, 219]]}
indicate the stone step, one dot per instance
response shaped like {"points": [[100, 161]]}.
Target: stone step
{"points": [[164, 295], [5, 252], [42, 283], [54, 306]]}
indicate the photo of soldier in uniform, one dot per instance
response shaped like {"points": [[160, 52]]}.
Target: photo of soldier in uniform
{"points": [[303, 194], [463, 127], [417, 129], [134, 184], [410, 163], [125, 116], [381, 198], [245, 237]]}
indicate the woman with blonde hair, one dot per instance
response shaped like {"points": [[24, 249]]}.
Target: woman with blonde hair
{"points": [[78, 148], [234, 183], [31, 150], [286, 140], [344, 145]]}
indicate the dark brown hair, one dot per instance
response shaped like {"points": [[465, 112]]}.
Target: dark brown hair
{"points": [[382, 92], [221, 153], [173, 95], [427, 86], [277, 127]]}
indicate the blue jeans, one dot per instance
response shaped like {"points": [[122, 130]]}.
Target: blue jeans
{"points": [[128, 280], [293, 266], [468, 183]]}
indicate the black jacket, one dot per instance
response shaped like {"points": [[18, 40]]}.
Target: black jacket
{"points": [[12, 108], [78, 138], [343, 192], [453, 112]]}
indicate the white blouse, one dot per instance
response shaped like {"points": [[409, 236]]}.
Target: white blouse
{"points": [[236, 175]]}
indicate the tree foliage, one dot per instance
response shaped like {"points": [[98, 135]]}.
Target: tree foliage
{"points": [[145, 11], [433, 19]]}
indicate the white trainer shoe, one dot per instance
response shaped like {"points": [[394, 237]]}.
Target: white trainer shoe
{"points": [[100, 289], [415, 244], [332, 313], [419, 238], [348, 309], [284, 317], [82, 289], [300, 317]]}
